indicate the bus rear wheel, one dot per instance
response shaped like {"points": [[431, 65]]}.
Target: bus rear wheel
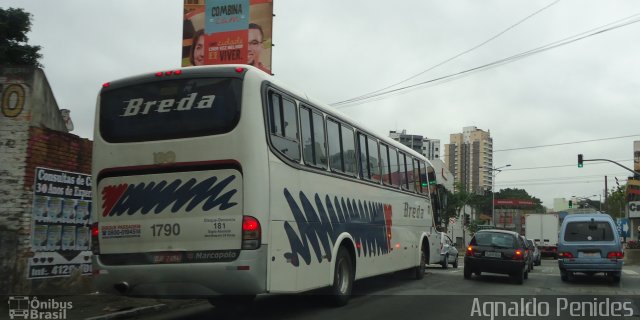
{"points": [[418, 272], [343, 277]]}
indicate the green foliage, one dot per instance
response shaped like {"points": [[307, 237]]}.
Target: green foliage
{"points": [[616, 202], [14, 50], [484, 201], [473, 227]]}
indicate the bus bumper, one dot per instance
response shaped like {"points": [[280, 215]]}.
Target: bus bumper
{"points": [[246, 275]]}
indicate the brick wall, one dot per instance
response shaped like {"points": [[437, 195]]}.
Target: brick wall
{"points": [[61, 151], [14, 203], [26, 144]]}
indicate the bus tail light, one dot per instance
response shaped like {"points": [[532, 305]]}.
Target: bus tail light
{"points": [[95, 245], [251, 233], [169, 73]]}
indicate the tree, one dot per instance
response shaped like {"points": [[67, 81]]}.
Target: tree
{"points": [[616, 202], [456, 201], [484, 201], [15, 23]]}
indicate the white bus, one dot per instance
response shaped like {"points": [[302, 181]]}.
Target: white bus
{"points": [[220, 181]]}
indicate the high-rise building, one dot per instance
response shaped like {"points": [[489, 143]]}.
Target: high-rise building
{"points": [[430, 148], [469, 157]]}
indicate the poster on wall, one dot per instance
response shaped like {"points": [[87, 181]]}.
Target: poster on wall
{"points": [[60, 239], [227, 32]]}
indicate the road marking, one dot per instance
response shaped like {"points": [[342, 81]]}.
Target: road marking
{"points": [[630, 272]]}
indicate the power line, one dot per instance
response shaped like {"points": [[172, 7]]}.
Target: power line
{"points": [[367, 95], [457, 75], [561, 166], [554, 145], [566, 143], [564, 178], [548, 183]]}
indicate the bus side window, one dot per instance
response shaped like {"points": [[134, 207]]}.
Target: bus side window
{"points": [[320, 146], [342, 147], [284, 126], [402, 163], [362, 154], [424, 181], [394, 164], [374, 159], [335, 150], [411, 174], [349, 150], [384, 164], [313, 141]]}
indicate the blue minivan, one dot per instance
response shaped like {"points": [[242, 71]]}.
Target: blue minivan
{"points": [[589, 243]]}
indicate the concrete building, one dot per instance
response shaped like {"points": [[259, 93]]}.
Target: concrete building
{"points": [[430, 148], [469, 156], [45, 191], [560, 204], [410, 140]]}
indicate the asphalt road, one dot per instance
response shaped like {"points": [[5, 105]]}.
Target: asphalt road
{"points": [[445, 294]]}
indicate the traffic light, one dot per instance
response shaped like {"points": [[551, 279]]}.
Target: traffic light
{"points": [[570, 204], [467, 219], [580, 165]]}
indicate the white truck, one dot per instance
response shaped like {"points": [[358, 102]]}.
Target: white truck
{"points": [[543, 229]]}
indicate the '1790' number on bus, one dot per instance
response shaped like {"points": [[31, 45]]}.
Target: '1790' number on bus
{"points": [[162, 229]]}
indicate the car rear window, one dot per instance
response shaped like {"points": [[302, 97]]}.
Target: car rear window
{"points": [[490, 239], [588, 231]]}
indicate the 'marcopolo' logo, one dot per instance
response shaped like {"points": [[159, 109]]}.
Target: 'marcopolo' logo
{"points": [[143, 197]]}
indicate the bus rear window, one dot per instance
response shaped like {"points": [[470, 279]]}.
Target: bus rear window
{"points": [[170, 109]]}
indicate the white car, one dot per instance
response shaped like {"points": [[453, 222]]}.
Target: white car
{"points": [[448, 252]]}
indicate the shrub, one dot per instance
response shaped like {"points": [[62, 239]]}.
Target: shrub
{"points": [[632, 244]]}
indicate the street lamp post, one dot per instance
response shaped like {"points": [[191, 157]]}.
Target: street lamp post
{"points": [[494, 172]]}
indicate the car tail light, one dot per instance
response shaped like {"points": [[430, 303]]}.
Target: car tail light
{"points": [[554, 249], [518, 254], [470, 251], [614, 255], [95, 232], [251, 233], [567, 255]]}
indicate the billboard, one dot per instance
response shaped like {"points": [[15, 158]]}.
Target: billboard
{"points": [[60, 224], [227, 32]]}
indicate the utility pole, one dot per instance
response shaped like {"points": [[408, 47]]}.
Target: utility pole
{"points": [[606, 188]]}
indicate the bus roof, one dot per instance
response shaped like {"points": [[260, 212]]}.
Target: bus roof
{"points": [[257, 73]]}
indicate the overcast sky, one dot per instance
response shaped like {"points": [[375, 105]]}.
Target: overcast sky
{"points": [[336, 50]]}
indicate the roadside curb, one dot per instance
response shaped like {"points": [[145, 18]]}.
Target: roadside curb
{"points": [[128, 313]]}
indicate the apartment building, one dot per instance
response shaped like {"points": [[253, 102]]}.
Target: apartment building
{"points": [[469, 157]]}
